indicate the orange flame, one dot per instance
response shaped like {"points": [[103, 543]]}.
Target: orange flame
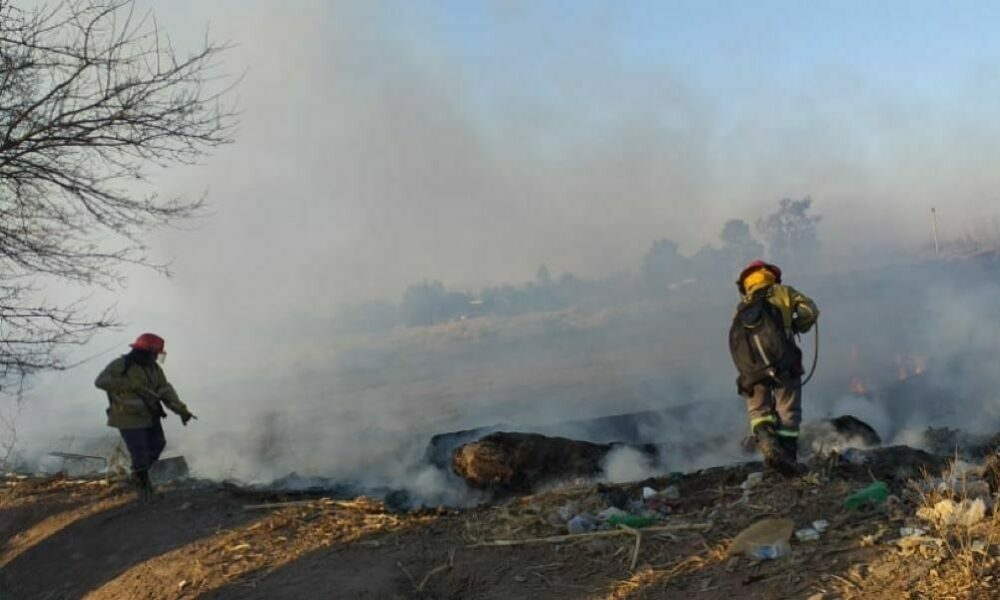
{"points": [[908, 366]]}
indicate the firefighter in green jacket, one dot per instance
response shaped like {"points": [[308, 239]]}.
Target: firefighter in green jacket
{"points": [[775, 407], [137, 391]]}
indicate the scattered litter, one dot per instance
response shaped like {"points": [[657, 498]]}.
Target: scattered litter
{"points": [[610, 512], [581, 523], [659, 504], [948, 512], [911, 532], [875, 493], [821, 525], [632, 521], [979, 546], [764, 539], [648, 492], [568, 511], [753, 480], [771, 551], [807, 534], [671, 493], [854, 456]]}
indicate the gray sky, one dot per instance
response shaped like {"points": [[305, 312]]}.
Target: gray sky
{"points": [[387, 142]]}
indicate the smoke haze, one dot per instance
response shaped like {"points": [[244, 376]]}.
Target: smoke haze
{"points": [[383, 144]]}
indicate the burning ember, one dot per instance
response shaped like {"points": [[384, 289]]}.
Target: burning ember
{"points": [[908, 366]]}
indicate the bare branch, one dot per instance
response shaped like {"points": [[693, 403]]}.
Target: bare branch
{"points": [[92, 95]]}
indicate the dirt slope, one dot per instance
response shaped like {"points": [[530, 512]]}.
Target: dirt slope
{"points": [[61, 539]]}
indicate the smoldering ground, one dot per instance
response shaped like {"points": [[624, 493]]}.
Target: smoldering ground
{"points": [[380, 146]]}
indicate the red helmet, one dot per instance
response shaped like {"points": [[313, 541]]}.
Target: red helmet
{"points": [[149, 342], [758, 264]]}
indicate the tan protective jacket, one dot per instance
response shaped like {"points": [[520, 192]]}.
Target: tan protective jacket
{"points": [[798, 311], [132, 392]]}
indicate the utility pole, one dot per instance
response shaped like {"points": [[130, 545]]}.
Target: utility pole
{"points": [[937, 246]]}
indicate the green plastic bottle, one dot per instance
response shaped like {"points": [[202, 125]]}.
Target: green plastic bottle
{"points": [[632, 521], [876, 493]]}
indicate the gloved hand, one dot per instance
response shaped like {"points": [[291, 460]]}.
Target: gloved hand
{"points": [[799, 327], [187, 417]]}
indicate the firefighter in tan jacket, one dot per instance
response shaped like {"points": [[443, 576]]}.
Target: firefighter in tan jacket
{"points": [[137, 391], [775, 405]]}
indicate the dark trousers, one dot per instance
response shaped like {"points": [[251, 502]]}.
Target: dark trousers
{"points": [[144, 445]]}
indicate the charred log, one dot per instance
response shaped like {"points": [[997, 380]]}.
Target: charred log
{"points": [[626, 428], [521, 462]]}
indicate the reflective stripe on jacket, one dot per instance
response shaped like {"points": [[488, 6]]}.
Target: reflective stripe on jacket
{"points": [[127, 408]]}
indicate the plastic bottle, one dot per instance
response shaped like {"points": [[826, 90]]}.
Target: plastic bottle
{"points": [[771, 551], [876, 493]]}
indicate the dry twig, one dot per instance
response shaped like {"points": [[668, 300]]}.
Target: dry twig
{"points": [[555, 539]]}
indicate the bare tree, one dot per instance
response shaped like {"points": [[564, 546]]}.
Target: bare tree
{"points": [[791, 233], [8, 436], [93, 96]]}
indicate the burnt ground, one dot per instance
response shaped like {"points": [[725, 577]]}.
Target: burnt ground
{"points": [[64, 539]]}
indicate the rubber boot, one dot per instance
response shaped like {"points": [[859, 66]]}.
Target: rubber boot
{"points": [[772, 449], [790, 446], [144, 486], [766, 440]]}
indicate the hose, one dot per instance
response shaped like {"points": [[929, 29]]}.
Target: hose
{"points": [[812, 371]]}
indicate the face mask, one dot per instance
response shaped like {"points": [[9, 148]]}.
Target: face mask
{"points": [[161, 357]]}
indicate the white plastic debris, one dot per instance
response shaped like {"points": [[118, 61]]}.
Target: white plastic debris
{"points": [[771, 551], [911, 532], [753, 480], [671, 493], [807, 534], [648, 492], [979, 545], [821, 525]]}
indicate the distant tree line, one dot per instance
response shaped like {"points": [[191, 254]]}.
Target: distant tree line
{"points": [[787, 236]]}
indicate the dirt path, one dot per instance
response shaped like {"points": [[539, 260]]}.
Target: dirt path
{"points": [[62, 540]]}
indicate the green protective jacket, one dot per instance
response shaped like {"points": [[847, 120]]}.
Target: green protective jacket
{"points": [[798, 311], [135, 393]]}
